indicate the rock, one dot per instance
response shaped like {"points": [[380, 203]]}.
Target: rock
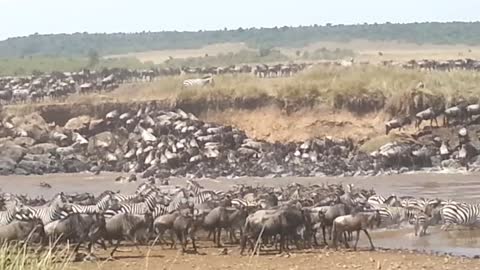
{"points": [[21, 171], [24, 141], [7, 166], [75, 165], [34, 125], [451, 164], [43, 148], [104, 140], [12, 151], [78, 123]]}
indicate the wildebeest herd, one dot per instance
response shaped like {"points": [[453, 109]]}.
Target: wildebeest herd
{"points": [[58, 85], [254, 217]]}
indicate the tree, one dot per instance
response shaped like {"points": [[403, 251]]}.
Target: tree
{"points": [[93, 58]]}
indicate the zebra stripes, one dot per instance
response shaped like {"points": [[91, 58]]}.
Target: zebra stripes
{"points": [[8, 215], [198, 82], [135, 208], [455, 213], [46, 214]]}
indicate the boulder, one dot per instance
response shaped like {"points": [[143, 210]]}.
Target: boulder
{"points": [[104, 140], [78, 123], [34, 125], [7, 166], [43, 148], [12, 151], [24, 141]]}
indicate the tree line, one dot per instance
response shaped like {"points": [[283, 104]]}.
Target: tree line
{"points": [[80, 44]]}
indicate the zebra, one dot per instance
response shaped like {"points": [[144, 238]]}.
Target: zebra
{"points": [[46, 213], [194, 186], [103, 204], [455, 213], [7, 216], [198, 82], [202, 197], [135, 208], [376, 200], [395, 215]]}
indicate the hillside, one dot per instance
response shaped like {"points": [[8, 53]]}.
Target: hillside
{"points": [[79, 44]]}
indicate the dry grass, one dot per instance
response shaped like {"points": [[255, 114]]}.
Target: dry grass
{"points": [[337, 87]]}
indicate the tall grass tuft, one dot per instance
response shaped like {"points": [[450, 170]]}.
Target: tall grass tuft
{"points": [[20, 257]]}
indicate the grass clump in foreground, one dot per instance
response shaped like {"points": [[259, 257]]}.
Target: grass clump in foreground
{"points": [[20, 257]]}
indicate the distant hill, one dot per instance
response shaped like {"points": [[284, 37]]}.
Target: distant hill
{"points": [[79, 44]]}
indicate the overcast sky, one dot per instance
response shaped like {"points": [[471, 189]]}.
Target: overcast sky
{"points": [[24, 17]]}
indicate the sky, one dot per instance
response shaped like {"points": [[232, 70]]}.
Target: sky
{"points": [[24, 17]]}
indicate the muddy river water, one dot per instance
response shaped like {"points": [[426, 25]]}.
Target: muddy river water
{"points": [[464, 187]]}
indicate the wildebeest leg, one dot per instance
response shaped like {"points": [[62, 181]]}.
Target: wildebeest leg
{"points": [[192, 236], [345, 239], [219, 244], [369, 239], [282, 242], [356, 241], [115, 248], [134, 241], [172, 238], [324, 237]]}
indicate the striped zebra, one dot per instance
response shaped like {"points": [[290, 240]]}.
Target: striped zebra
{"points": [[193, 186], [46, 213], [376, 200], [135, 208], [455, 213], [7, 216], [242, 203], [425, 219], [202, 197], [103, 204], [207, 80], [395, 215]]}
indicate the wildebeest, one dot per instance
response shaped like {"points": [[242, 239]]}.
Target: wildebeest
{"points": [[21, 230], [399, 123], [355, 223], [428, 114]]}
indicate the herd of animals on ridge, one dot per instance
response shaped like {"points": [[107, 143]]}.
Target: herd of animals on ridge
{"points": [[277, 217], [58, 85]]}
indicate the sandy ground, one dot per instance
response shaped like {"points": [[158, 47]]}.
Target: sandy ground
{"points": [[211, 258]]}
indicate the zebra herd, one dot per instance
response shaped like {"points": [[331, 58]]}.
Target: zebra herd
{"points": [[277, 216]]}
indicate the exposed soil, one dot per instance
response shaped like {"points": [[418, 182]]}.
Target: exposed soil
{"points": [[272, 124], [211, 258]]}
